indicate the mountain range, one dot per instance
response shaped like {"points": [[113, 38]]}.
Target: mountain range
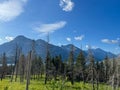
{"points": [[40, 47]]}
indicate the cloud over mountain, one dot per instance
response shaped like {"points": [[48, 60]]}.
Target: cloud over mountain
{"points": [[110, 41], [9, 38], [68, 39]]}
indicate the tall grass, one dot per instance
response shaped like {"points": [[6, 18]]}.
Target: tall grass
{"points": [[51, 85]]}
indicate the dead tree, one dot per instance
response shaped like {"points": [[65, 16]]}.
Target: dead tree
{"points": [[47, 61], [4, 66], [15, 67], [30, 58], [97, 76], [28, 69]]}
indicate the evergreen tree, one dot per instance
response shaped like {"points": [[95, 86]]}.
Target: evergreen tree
{"points": [[57, 62], [102, 72], [37, 67], [91, 74], [47, 60], [97, 74], [71, 65], [47, 66], [80, 66]]}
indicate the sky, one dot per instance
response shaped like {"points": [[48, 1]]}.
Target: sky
{"points": [[94, 23]]}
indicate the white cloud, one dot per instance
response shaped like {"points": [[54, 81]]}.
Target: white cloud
{"points": [[114, 41], [45, 28], [10, 9], [87, 46], [79, 37], [91, 47], [9, 38], [68, 39], [110, 41], [105, 41], [66, 5]]}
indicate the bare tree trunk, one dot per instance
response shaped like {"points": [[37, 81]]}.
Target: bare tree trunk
{"points": [[46, 76], [118, 77], [12, 73], [83, 76], [28, 70], [97, 81], [16, 72], [113, 82], [93, 87], [4, 66], [15, 67]]}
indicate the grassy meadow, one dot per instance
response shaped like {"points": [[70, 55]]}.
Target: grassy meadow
{"points": [[51, 85]]}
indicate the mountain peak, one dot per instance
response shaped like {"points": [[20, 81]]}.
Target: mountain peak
{"points": [[99, 49], [21, 38]]}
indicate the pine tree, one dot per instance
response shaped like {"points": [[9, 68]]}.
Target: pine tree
{"points": [[41, 64], [37, 67], [92, 71], [80, 66], [71, 65], [57, 64], [102, 72], [47, 65], [97, 72], [47, 61]]}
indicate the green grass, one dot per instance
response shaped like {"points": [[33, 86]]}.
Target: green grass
{"points": [[52, 85]]}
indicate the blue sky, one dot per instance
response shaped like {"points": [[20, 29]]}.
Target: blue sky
{"points": [[81, 22]]}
